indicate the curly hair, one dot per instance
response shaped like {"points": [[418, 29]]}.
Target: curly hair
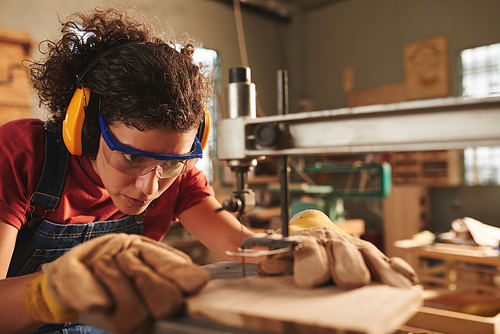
{"points": [[148, 84]]}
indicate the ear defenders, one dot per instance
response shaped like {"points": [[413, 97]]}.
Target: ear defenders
{"points": [[80, 129], [204, 129]]}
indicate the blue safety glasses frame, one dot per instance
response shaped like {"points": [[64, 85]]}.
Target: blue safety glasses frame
{"points": [[137, 162]]}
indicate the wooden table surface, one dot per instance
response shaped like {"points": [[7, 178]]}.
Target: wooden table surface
{"points": [[276, 304]]}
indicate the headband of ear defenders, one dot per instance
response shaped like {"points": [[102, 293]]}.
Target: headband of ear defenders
{"points": [[80, 128]]}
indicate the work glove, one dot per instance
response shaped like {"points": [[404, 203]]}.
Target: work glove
{"points": [[130, 279], [327, 253]]}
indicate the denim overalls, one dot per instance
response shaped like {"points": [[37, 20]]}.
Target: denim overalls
{"points": [[42, 241]]}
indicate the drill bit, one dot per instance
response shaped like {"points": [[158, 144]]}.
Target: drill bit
{"points": [[240, 218]]}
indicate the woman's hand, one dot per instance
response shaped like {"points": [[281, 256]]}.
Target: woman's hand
{"points": [[130, 279]]}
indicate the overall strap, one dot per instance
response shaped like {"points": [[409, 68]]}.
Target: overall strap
{"points": [[55, 164]]}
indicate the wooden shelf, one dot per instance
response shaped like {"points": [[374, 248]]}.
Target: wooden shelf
{"points": [[15, 90], [430, 168]]}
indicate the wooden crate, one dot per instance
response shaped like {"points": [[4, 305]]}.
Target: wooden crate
{"points": [[15, 85], [430, 168]]}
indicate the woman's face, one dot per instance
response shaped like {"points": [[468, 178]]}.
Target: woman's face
{"points": [[133, 194]]}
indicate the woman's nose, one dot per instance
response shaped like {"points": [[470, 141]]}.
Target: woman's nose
{"points": [[148, 183]]}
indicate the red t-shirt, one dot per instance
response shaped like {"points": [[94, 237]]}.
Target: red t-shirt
{"points": [[84, 198]]}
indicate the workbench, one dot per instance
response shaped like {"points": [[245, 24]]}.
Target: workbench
{"points": [[462, 287], [453, 263], [252, 304]]}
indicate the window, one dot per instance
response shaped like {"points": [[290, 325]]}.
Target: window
{"points": [[209, 65], [480, 79], [482, 165], [481, 71]]}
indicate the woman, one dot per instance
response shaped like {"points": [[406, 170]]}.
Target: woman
{"points": [[133, 171]]}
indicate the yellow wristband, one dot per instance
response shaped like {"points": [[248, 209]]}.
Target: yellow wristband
{"points": [[40, 305]]}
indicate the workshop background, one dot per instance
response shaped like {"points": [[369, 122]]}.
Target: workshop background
{"points": [[338, 54]]}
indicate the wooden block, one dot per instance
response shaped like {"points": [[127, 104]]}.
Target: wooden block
{"points": [[276, 304]]}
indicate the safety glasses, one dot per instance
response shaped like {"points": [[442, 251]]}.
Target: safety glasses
{"points": [[136, 162]]}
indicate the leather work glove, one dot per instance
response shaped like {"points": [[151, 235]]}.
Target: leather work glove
{"points": [[328, 253], [130, 279]]}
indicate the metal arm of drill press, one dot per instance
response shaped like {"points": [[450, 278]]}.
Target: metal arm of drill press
{"points": [[436, 124]]}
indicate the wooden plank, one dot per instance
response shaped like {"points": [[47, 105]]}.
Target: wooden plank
{"points": [[276, 304]]}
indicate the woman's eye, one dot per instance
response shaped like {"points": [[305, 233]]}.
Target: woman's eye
{"points": [[173, 163], [136, 159]]}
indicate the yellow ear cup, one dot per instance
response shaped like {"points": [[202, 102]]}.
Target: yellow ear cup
{"points": [[206, 129], [73, 122]]}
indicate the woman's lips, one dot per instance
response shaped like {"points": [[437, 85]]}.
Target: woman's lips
{"points": [[137, 203]]}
